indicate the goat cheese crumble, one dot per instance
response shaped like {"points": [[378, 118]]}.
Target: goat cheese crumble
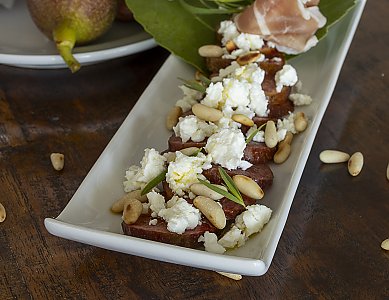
{"points": [[192, 128], [152, 164], [184, 171], [287, 76], [226, 149], [180, 215]]}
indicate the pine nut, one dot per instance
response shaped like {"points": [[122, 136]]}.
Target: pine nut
{"points": [[211, 210], [118, 205], [271, 138], [248, 58], [355, 163], [172, 118], [282, 153], [137, 194], [210, 51], [248, 187], [300, 122], [3, 213], [242, 119], [288, 138], [202, 190], [132, 210], [57, 160], [207, 113], [231, 275], [385, 245], [189, 151], [170, 156], [231, 46], [333, 156]]}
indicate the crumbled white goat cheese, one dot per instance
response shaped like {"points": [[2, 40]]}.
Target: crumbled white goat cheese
{"points": [[211, 244], [152, 164], [287, 76], [156, 201], [214, 95], [287, 123], [300, 99], [153, 222], [228, 31], [259, 137], [180, 215], [244, 42], [226, 148], [232, 238], [192, 128], [190, 98], [184, 171], [253, 219]]}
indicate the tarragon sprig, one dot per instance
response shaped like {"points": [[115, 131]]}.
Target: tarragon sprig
{"points": [[254, 133], [154, 182], [232, 194]]}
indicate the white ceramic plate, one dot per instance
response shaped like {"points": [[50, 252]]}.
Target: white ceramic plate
{"points": [[23, 45], [87, 217]]}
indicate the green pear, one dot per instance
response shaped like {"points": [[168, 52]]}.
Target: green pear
{"points": [[71, 22]]}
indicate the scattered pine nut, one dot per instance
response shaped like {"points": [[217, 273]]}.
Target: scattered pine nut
{"points": [[210, 51], [3, 213], [385, 245], [282, 153], [206, 113], [300, 122], [231, 275], [200, 189], [231, 46], [271, 137], [248, 58], [242, 119], [173, 116], [211, 210], [132, 210], [355, 163], [333, 156], [57, 160], [248, 187]]}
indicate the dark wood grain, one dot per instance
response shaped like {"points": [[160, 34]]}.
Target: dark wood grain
{"points": [[329, 249]]}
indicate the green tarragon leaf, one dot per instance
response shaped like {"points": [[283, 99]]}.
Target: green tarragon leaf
{"points": [[154, 182]]}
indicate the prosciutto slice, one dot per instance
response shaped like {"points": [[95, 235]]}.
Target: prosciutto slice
{"points": [[289, 24]]}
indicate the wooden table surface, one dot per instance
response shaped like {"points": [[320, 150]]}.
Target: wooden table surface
{"points": [[329, 249]]}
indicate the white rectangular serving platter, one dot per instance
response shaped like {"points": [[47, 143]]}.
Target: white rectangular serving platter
{"points": [[87, 217]]}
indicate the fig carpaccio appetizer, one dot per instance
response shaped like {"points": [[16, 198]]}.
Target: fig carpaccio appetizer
{"points": [[206, 188]]}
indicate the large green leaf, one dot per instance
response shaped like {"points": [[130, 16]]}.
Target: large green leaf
{"points": [[175, 28], [182, 30]]}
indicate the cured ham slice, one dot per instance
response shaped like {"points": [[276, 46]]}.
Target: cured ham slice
{"points": [[289, 24]]}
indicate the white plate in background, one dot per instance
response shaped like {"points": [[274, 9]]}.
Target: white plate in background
{"points": [[87, 217], [23, 45]]}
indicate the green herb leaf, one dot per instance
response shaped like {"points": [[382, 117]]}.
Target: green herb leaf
{"points": [[230, 184], [254, 133], [154, 182], [176, 27], [222, 192], [194, 85]]}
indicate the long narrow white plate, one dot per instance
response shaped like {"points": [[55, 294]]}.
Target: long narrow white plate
{"points": [[87, 217], [23, 45]]}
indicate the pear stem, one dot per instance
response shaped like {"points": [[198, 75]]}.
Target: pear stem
{"points": [[65, 38]]}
